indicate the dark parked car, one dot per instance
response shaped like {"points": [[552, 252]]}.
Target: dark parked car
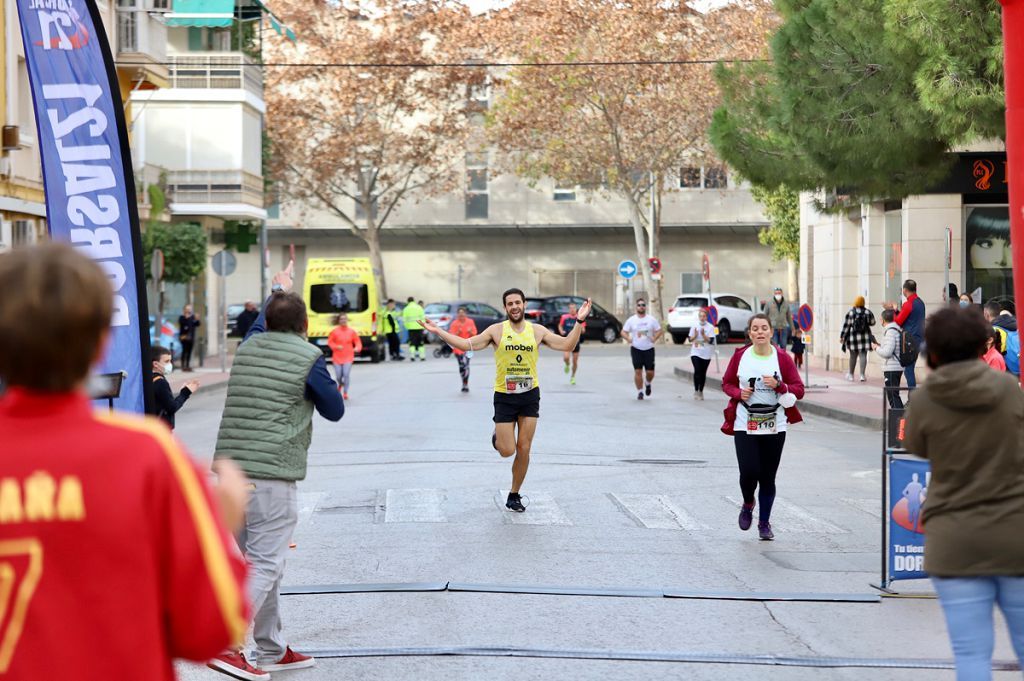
{"points": [[601, 324], [442, 314]]}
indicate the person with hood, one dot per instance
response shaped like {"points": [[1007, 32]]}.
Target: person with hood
{"points": [[780, 317], [1000, 319], [856, 337], [889, 351], [763, 385], [968, 421]]}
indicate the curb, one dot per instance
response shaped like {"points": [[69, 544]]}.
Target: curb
{"points": [[808, 406]]}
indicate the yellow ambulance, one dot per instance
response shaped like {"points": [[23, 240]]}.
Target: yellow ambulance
{"points": [[336, 285]]}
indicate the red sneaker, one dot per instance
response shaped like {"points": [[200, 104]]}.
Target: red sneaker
{"points": [[234, 664], [291, 660]]}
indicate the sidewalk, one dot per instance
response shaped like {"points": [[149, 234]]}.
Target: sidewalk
{"points": [[210, 376], [857, 403]]}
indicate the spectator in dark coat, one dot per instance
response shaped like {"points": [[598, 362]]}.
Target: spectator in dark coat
{"points": [[167, 405], [245, 319], [188, 323]]}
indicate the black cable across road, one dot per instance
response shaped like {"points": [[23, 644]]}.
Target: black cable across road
{"points": [[462, 65]]}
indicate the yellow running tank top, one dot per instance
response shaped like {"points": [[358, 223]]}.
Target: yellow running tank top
{"points": [[515, 360]]}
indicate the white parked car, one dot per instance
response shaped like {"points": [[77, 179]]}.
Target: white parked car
{"points": [[733, 314]]}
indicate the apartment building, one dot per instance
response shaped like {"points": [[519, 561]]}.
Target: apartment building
{"points": [[959, 229]]}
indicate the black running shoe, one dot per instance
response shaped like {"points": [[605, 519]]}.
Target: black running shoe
{"points": [[640, 395], [515, 503], [647, 390], [764, 531], [465, 388]]}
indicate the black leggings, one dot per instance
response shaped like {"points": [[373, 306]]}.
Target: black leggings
{"points": [[700, 372], [463, 367], [186, 354], [759, 457]]}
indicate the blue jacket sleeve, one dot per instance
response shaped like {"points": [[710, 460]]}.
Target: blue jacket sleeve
{"points": [[323, 391]]}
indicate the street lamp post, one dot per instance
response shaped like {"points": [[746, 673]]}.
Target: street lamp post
{"points": [[1013, 77]]}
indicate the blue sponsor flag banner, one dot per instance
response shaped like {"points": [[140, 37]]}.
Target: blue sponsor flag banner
{"points": [[908, 489], [87, 170]]}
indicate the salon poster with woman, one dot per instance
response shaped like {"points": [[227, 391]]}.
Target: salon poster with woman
{"points": [[989, 264]]}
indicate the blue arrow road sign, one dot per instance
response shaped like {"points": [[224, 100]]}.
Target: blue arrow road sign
{"points": [[627, 269]]}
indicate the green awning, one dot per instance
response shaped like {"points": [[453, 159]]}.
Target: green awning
{"points": [[275, 23], [209, 13]]}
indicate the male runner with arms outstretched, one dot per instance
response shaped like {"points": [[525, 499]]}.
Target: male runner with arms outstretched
{"points": [[516, 393]]}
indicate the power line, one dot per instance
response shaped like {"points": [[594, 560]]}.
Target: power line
{"points": [[434, 65]]}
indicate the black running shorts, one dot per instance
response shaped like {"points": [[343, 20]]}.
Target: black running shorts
{"points": [[576, 350], [508, 407], [642, 359]]}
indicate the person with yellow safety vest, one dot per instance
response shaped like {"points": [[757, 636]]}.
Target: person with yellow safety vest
{"points": [[516, 391], [413, 316]]}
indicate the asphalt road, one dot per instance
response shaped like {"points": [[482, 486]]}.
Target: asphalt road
{"points": [[628, 496]]}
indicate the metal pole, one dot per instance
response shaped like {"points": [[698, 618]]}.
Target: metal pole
{"points": [[1013, 77], [948, 262], [459, 282], [263, 260], [223, 323]]}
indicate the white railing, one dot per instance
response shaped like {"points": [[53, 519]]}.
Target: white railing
{"points": [[216, 70], [214, 186]]}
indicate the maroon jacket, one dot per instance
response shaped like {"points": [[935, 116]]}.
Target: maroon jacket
{"points": [[791, 383]]}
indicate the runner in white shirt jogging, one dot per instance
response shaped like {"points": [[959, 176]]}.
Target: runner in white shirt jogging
{"points": [[701, 336], [642, 331]]}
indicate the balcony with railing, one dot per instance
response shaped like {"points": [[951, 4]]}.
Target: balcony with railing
{"points": [[141, 37], [214, 187], [223, 70]]}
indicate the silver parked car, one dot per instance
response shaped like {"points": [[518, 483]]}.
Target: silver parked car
{"points": [[733, 314]]}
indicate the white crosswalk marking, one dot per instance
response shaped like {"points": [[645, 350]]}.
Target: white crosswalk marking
{"points": [[541, 509], [414, 506], [656, 512], [793, 518]]}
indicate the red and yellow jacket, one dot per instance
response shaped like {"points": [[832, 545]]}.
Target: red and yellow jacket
{"points": [[113, 558]]}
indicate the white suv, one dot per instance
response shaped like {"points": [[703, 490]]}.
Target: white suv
{"points": [[733, 315]]}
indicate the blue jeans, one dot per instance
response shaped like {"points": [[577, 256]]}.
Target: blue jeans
{"points": [[911, 377], [967, 603], [780, 337]]}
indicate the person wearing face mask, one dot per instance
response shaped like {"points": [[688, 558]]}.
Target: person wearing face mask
{"points": [[167, 405], [965, 300], [780, 317]]}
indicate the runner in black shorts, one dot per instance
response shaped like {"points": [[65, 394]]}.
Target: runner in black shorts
{"points": [[565, 324], [516, 393], [642, 331]]}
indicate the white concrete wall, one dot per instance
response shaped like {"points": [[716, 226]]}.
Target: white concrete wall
{"points": [[193, 135], [427, 267], [843, 256]]}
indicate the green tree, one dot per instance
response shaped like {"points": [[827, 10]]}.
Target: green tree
{"points": [[959, 76], [782, 206], [863, 99]]}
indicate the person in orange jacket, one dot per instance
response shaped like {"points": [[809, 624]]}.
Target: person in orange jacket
{"points": [[463, 327], [345, 344], [117, 556]]}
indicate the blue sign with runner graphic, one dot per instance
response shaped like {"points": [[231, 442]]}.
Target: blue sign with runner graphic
{"points": [[805, 317], [87, 169], [908, 489], [627, 269]]}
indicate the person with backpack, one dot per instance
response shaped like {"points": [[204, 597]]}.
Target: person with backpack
{"points": [[888, 350], [856, 337], [910, 319], [992, 356], [1005, 325]]}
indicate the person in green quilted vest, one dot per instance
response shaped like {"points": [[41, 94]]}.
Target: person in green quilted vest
{"points": [[277, 380]]}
